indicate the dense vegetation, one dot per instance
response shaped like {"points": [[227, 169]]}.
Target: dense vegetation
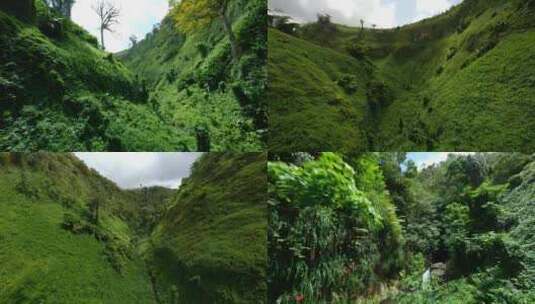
{"points": [[61, 92], [198, 87], [372, 228], [69, 235], [460, 81]]}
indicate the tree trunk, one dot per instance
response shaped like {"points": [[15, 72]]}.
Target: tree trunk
{"points": [[102, 37], [235, 48]]}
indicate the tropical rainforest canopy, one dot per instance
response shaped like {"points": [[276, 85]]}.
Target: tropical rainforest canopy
{"points": [[373, 228]]}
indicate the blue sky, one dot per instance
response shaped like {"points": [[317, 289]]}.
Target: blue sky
{"points": [[424, 159], [137, 18], [383, 13]]}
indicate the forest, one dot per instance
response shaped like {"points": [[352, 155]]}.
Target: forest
{"points": [[69, 235], [459, 81], [377, 228], [191, 84]]}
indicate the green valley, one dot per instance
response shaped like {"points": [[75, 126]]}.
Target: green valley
{"points": [[379, 228], [170, 92], [69, 235], [459, 81]]}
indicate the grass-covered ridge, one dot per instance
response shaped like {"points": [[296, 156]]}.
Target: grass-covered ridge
{"points": [[458, 81], [203, 242], [42, 260], [220, 258]]}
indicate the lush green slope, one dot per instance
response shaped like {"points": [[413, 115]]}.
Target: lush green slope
{"points": [[210, 247], [195, 85], [205, 243], [42, 261], [477, 220], [61, 93], [458, 81], [305, 101]]}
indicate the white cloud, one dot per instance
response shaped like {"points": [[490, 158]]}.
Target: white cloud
{"points": [[137, 18], [130, 170], [383, 13], [342, 11], [429, 8]]}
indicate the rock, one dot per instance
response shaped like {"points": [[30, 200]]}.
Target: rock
{"points": [[438, 270]]}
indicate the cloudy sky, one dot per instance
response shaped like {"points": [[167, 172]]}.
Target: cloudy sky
{"points": [[137, 18], [384, 13], [425, 159], [130, 170]]}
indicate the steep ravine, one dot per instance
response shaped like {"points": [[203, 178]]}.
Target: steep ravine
{"points": [[202, 243], [461, 80]]}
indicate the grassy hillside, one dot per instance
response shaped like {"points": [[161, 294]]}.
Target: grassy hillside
{"points": [[307, 103], [205, 243], [42, 260], [62, 93], [458, 81], [195, 85], [211, 245]]}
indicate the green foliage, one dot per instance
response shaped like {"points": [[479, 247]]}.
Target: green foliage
{"points": [[356, 50], [216, 252], [49, 252], [378, 96], [210, 247], [221, 95], [427, 58], [349, 83], [323, 230]]}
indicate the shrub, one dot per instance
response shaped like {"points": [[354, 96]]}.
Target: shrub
{"points": [[323, 232], [202, 48], [171, 75], [356, 50], [378, 95], [53, 27], [117, 252], [75, 224], [451, 53], [348, 82]]}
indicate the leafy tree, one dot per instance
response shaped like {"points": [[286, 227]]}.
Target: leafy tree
{"points": [[133, 40], [191, 15], [108, 15], [62, 6]]}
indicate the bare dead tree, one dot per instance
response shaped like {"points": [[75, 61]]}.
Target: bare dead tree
{"points": [[109, 16]]}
